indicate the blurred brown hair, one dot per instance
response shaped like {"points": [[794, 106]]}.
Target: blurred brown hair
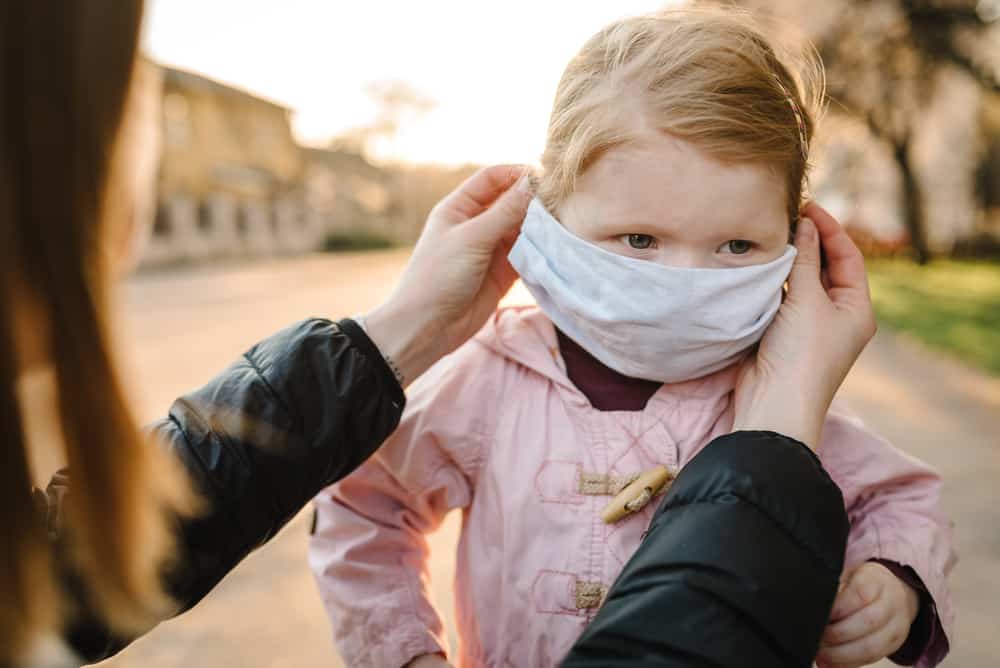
{"points": [[65, 72]]}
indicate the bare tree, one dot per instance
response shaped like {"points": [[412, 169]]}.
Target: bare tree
{"points": [[883, 60], [397, 103]]}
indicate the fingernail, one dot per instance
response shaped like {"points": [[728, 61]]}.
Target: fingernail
{"points": [[523, 184], [807, 229]]}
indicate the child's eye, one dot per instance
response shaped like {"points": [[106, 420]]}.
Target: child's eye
{"points": [[738, 246], [641, 241]]}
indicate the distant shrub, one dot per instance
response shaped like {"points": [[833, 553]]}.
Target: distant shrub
{"points": [[358, 240]]}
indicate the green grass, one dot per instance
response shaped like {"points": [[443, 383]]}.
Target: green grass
{"points": [[950, 305], [357, 241]]}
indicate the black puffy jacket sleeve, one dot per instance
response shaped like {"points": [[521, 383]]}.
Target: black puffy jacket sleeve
{"points": [[297, 412], [739, 567]]}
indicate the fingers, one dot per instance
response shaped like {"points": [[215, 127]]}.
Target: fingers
{"points": [[858, 625], [863, 588], [479, 191], [806, 270], [500, 222], [867, 649], [845, 264], [502, 272]]}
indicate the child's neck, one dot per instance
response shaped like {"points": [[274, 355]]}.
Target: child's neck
{"points": [[605, 388]]}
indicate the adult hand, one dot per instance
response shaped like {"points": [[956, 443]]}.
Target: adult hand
{"points": [[821, 328], [458, 272]]}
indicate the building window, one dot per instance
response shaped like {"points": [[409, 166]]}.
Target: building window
{"points": [[205, 217], [161, 224], [242, 222]]}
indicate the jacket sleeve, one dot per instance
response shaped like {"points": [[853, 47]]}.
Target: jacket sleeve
{"points": [[739, 567], [894, 504], [297, 412], [369, 549]]}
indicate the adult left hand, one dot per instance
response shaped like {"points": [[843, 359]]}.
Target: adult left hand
{"points": [[821, 328], [458, 272]]}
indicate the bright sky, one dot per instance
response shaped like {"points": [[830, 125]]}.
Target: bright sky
{"points": [[492, 67]]}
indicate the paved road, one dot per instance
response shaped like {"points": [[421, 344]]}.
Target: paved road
{"points": [[183, 326]]}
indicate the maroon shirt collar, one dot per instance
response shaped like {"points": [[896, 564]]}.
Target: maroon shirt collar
{"points": [[605, 388]]}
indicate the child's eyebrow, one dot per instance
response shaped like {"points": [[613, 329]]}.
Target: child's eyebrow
{"points": [[760, 227], [628, 221]]}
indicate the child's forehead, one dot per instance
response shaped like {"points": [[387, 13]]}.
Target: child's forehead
{"points": [[670, 181]]}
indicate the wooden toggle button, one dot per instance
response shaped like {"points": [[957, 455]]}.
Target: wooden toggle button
{"points": [[637, 494]]}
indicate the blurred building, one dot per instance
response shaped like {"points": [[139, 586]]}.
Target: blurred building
{"points": [[347, 190], [218, 174], [230, 178]]}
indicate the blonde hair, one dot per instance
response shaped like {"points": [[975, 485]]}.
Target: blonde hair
{"points": [[706, 75]]}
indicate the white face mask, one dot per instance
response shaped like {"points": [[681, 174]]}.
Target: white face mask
{"points": [[640, 318]]}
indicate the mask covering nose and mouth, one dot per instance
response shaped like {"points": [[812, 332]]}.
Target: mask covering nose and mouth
{"points": [[640, 318]]}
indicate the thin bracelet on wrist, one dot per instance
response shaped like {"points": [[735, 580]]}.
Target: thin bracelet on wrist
{"points": [[360, 319]]}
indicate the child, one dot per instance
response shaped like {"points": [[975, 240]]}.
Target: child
{"points": [[656, 250]]}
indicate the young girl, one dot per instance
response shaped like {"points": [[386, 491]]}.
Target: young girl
{"points": [[656, 250]]}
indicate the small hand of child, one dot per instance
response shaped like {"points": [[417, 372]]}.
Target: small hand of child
{"points": [[871, 618], [429, 661]]}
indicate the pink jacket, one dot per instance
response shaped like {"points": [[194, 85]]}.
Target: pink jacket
{"points": [[498, 430]]}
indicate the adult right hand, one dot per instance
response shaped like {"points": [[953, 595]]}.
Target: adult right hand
{"points": [[821, 328], [458, 272]]}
